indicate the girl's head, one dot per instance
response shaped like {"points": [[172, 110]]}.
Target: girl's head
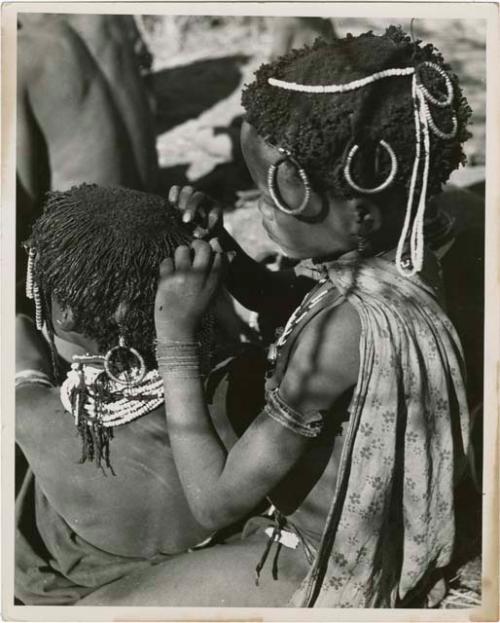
{"points": [[321, 132], [96, 256]]}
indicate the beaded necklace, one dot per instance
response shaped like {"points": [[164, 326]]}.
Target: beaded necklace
{"points": [[126, 403], [309, 302]]}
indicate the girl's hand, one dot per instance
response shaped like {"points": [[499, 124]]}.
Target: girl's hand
{"points": [[187, 284], [199, 210]]}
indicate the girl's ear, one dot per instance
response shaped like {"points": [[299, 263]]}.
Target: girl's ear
{"points": [[367, 218], [62, 317]]}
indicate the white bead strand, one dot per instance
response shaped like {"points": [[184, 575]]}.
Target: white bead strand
{"points": [[341, 88]]}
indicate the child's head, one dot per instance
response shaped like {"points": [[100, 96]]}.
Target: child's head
{"points": [[97, 253], [322, 130]]}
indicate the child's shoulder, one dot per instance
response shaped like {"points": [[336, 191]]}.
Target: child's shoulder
{"points": [[325, 362]]}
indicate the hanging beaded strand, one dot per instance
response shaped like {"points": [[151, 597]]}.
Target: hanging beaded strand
{"points": [[32, 289], [29, 273]]}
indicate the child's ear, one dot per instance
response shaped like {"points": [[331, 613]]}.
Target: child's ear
{"points": [[62, 317], [367, 218]]}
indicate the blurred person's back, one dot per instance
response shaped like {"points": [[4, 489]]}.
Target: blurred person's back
{"points": [[69, 128], [111, 40]]}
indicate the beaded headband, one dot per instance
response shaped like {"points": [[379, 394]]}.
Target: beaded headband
{"points": [[424, 124]]}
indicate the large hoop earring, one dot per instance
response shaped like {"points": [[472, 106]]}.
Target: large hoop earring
{"points": [[272, 184], [376, 189], [137, 377]]}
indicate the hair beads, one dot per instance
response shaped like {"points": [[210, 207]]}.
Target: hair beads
{"points": [[424, 122], [33, 290], [449, 87]]}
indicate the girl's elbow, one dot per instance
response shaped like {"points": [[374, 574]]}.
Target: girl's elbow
{"points": [[213, 516]]}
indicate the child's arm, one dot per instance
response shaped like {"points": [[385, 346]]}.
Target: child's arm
{"points": [[270, 293], [253, 285], [220, 486]]}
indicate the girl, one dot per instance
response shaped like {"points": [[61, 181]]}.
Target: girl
{"points": [[365, 424]]}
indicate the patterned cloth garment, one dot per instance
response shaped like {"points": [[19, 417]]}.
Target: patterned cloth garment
{"points": [[391, 520]]}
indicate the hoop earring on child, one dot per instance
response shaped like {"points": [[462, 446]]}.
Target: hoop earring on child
{"points": [[376, 189], [131, 377], [273, 187]]}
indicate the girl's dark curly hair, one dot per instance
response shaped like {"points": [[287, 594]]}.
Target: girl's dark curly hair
{"points": [[319, 129], [99, 247]]}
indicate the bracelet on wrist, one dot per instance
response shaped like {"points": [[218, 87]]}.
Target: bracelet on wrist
{"points": [[178, 360]]}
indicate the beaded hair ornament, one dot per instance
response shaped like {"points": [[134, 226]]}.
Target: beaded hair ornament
{"points": [[32, 289], [424, 124]]}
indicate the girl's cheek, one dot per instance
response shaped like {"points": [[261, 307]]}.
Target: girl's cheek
{"points": [[267, 211]]}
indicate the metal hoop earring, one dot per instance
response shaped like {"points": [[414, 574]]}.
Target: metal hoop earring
{"points": [[272, 175], [136, 377], [387, 182]]}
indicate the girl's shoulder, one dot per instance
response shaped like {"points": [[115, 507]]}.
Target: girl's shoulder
{"points": [[325, 359]]}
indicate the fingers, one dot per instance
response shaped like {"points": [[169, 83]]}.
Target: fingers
{"points": [[166, 267], [216, 245], [208, 260], [182, 258], [214, 217], [173, 194], [189, 200], [196, 208], [203, 255], [214, 276], [217, 262]]}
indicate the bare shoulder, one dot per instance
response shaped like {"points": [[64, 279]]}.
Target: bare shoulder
{"points": [[325, 362], [36, 406], [34, 395], [51, 55]]}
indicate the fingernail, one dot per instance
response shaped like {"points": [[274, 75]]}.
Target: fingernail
{"points": [[186, 217]]}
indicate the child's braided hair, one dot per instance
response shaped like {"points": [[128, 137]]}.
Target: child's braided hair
{"points": [[99, 247], [319, 129]]}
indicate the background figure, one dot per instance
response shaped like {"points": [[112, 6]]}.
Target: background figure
{"points": [[117, 47], [295, 32], [82, 114]]}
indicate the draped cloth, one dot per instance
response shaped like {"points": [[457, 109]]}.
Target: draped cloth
{"points": [[391, 521]]}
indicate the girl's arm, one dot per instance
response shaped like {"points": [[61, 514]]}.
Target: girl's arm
{"points": [[222, 486], [267, 292], [257, 288]]}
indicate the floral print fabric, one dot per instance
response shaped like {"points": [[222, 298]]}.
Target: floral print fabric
{"points": [[392, 516]]}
